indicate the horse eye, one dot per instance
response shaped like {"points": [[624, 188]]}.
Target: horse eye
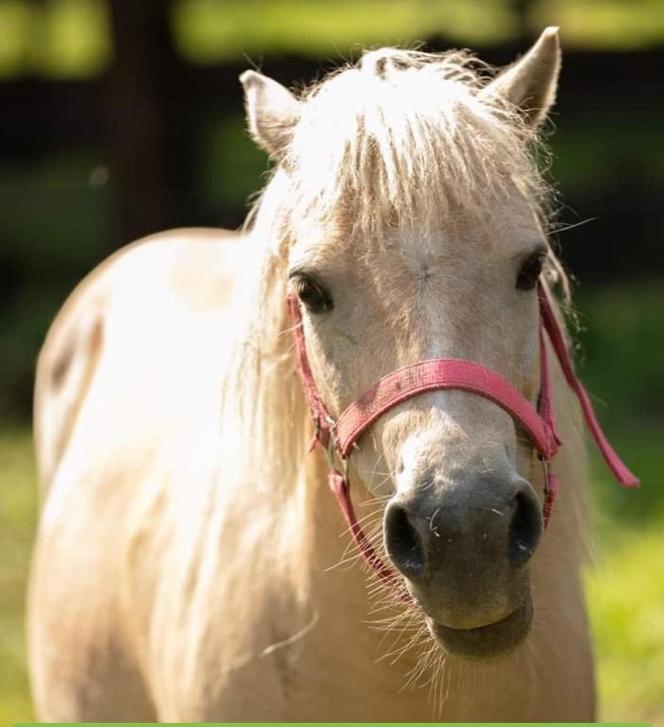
{"points": [[313, 295], [530, 271]]}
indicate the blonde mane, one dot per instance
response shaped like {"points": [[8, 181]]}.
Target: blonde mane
{"points": [[407, 135]]}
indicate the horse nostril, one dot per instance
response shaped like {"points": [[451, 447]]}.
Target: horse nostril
{"points": [[525, 529], [403, 542]]}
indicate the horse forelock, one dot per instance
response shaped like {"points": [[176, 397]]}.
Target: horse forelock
{"points": [[405, 136]]}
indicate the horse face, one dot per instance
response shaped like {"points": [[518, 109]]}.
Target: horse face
{"points": [[443, 274], [462, 518]]}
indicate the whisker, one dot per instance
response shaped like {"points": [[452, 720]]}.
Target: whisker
{"points": [[564, 228]]}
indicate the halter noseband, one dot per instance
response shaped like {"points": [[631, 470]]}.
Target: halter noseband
{"points": [[339, 436]]}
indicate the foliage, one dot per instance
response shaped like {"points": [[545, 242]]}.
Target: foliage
{"points": [[62, 39], [617, 24], [621, 330], [54, 227], [586, 148], [209, 31]]}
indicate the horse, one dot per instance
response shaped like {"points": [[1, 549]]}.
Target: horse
{"points": [[190, 562]]}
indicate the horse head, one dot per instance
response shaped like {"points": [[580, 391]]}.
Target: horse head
{"points": [[413, 224]]}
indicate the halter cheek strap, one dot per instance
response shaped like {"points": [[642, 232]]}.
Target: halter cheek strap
{"points": [[550, 324], [339, 436]]}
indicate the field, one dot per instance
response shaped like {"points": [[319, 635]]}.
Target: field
{"points": [[625, 584]]}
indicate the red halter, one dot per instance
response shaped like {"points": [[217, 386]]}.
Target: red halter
{"points": [[340, 436]]}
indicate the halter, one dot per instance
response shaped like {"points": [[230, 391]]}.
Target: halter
{"points": [[339, 436]]}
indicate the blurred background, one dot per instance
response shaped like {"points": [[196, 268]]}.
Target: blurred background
{"points": [[123, 117]]}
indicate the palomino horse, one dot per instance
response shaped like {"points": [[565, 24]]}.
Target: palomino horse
{"points": [[189, 564]]}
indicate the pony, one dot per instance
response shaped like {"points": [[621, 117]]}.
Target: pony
{"points": [[190, 563]]}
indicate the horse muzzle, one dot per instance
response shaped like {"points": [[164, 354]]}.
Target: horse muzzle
{"points": [[464, 550]]}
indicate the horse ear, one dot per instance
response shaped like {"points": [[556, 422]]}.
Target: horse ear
{"points": [[531, 82], [272, 112]]}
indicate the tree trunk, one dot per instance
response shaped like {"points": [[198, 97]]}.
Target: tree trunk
{"points": [[148, 156]]}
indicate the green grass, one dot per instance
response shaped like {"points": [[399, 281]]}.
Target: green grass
{"points": [[626, 599], [625, 588], [17, 520]]}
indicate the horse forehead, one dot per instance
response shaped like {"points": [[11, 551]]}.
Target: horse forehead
{"points": [[493, 232], [499, 228]]}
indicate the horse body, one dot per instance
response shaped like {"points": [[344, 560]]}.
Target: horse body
{"points": [[188, 565]]}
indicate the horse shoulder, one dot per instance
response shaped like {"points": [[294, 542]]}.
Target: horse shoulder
{"points": [[132, 355], [174, 265]]}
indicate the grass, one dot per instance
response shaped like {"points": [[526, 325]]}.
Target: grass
{"points": [[17, 520], [626, 599], [625, 588]]}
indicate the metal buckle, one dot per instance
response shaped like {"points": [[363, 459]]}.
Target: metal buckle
{"points": [[334, 459]]}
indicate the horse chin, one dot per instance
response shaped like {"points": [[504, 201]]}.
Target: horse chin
{"points": [[492, 641]]}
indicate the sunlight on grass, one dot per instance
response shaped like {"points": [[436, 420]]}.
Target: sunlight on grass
{"points": [[626, 600], [17, 518]]}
